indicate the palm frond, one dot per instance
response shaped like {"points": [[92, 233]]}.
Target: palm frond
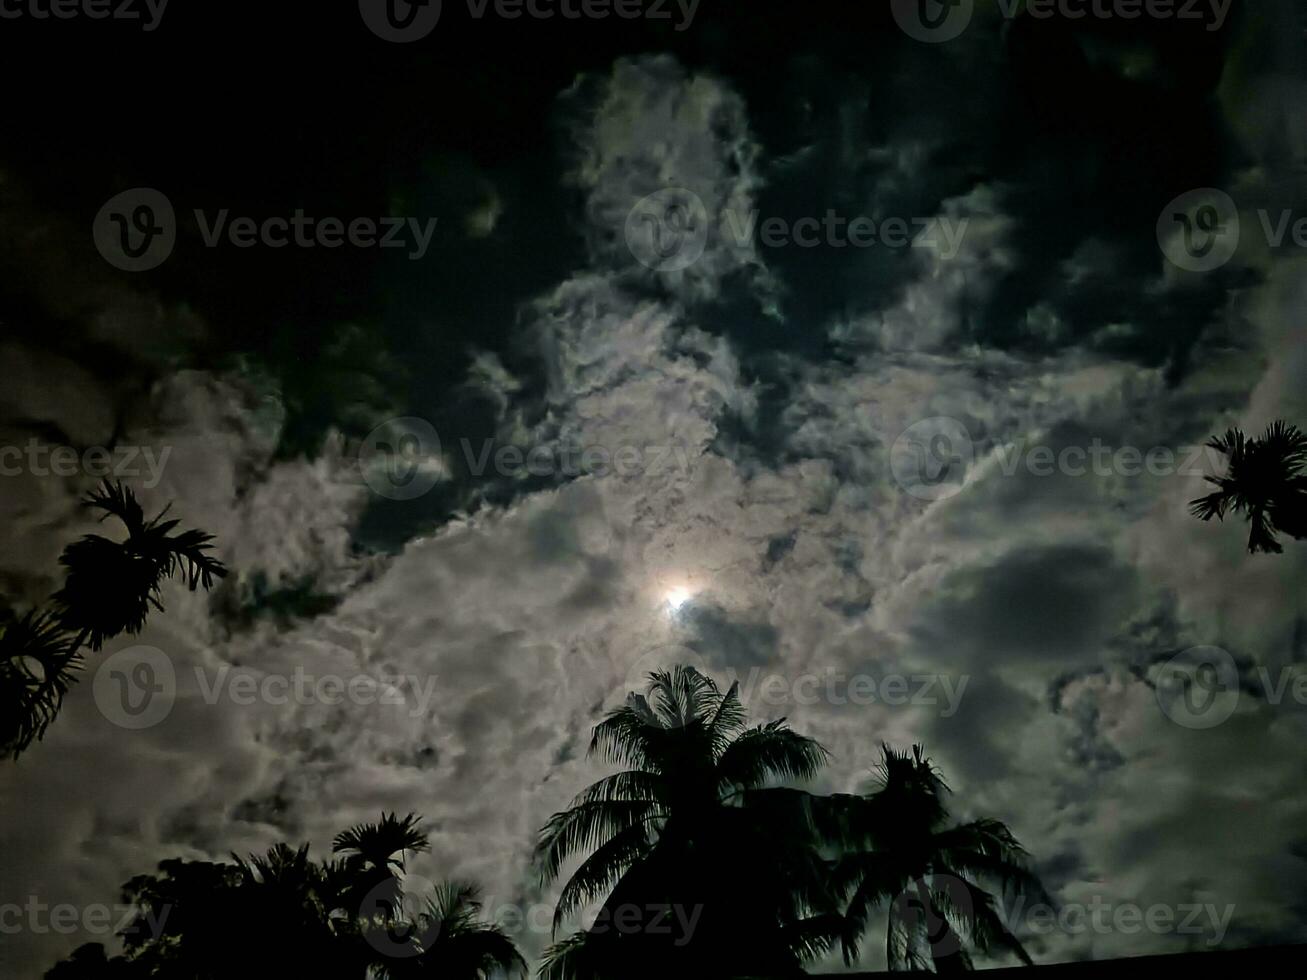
{"points": [[587, 826], [769, 752], [603, 869], [38, 666]]}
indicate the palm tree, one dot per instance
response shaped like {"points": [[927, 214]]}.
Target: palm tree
{"points": [[458, 945], [111, 585], [38, 664], [374, 854], [926, 871], [681, 834], [1264, 481], [109, 589]]}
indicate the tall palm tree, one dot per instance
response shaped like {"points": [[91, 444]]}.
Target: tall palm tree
{"points": [[1263, 481], [38, 664], [927, 873], [111, 585], [688, 826]]}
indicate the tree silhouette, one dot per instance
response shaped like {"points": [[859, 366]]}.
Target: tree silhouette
{"points": [[374, 854], [659, 840], [109, 589], [38, 664], [457, 944], [925, 872], [111, 585], [1264, 482], [283, 914]]}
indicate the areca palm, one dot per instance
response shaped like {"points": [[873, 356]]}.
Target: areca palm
{"points": [[688, 824], [928, 873], [38, 664], [111, 585], [374, 853], [1264, 482]]}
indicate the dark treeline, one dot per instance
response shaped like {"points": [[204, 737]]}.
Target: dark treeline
{"points": [[701, 859]]}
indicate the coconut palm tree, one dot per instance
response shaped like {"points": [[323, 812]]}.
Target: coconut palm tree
{"points": [[111, 585], [38, 664], [927, 873], [1264, 482], [685, 845]]}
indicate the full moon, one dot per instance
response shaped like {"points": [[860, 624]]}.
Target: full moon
{"points": [[676, 598]]}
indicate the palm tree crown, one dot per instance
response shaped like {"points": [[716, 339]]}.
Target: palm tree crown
{"points": [[907, 857], [111, 585], [693, 792], [1264, 481]]}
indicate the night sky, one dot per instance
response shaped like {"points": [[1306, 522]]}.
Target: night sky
{"points": [[761, 523]]}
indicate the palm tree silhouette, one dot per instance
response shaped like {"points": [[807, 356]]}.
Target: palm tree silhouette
{"points": [[374, 853], [111, 585], [925, 871], [696, 790], [1263, 481], [458, 944], [38, 664], [109, 589]]}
